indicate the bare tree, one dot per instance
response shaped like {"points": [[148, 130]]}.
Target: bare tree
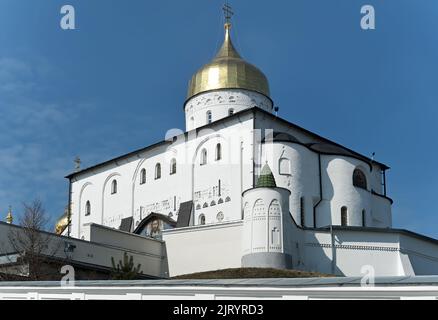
{"points": [[30, 247]]}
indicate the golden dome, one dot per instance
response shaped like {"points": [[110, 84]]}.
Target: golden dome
{"points": [[9, 217], [62, 223], [228, 71]]}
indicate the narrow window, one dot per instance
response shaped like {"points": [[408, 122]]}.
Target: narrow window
{"points": [[344, 216], [218, 151], [201, 219], [364, 218], [230, 112], [302, 212], [143, 176], [209, 117], [87, 208], [173, 166], [219, 187], [114, 187], [359, 179], [203, 157], [157, 171]]}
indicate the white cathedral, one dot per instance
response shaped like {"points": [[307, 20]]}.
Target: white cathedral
{"points": [[242, 187]]}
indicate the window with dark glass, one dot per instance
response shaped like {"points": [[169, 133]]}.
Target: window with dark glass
{"points": [[218, 151], [157, 171], [364, 218], [173, 166], [88, 208], [143, 176], [114, 187], [359, 179], [344, 216], [203, 157]]}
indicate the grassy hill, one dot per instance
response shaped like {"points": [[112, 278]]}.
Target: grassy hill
{"points": [[245, 273]]}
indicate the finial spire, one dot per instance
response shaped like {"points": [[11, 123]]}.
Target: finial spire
{"points": [[77, 162], [9, 217], [228, 13]]}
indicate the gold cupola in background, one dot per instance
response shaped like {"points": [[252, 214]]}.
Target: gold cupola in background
{"points": [[228, 71], [62, 222], [9, 217]]}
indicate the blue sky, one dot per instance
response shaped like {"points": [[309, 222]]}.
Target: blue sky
{"points": [[118, 83]]}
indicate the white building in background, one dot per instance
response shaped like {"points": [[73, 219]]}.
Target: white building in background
{"points": [[244, 187]]}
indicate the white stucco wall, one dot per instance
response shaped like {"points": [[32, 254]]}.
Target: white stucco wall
{"points": [[204, 248], [191, 181]]}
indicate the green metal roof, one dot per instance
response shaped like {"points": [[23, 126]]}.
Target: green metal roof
{"points": [[266, 178]]}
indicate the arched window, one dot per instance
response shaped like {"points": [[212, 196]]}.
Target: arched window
{"points": [[227, 199], [364, 218], [143, 176], [302, 212], [218, 151], [209, 117], [230, 112], [359, 179], [157, 171], [173, 166], [220, 201], [205, 205], [198, 206], [203, 157], [344, 216], [201, 219], [114, 187], [213, 203], [87, 208]]}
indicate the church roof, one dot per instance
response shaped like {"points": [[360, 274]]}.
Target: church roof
{"points": [[266, 178]]}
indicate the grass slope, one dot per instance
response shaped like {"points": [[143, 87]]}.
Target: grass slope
{"points": [[244, 273]]}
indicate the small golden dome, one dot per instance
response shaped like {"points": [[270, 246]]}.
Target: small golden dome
{"points": [[62, 223], [228, 71], [9, 217]]}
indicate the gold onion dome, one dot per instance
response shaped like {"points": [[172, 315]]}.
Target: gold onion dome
{"points": [[228, 71], [62, 223]]}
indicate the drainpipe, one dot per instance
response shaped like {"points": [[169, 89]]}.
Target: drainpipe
{"points": [[333, 249], [320, 191], [69, 208]]}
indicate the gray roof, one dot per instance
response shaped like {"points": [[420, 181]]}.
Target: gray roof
{"points": [[262, 282], [184, 214]]}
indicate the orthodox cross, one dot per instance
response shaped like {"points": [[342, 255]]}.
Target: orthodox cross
{"points": [[77, 162], [227, 12]]}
